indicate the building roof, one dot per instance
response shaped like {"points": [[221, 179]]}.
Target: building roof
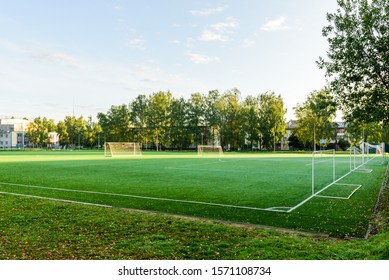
{"points": [[14, 121]]}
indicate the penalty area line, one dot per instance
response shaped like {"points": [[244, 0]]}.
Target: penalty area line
{"points": [[272, 209], [56, 199]]}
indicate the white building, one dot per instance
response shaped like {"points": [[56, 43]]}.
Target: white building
{"points": [[13, 133]]}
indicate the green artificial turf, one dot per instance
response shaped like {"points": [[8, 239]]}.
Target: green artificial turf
{"points": [[239, 187]]}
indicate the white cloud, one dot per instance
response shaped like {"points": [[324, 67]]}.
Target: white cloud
{"points": [[275, 25], [220, 31], [44, 54], [201, 59], [208, 11], [248, 43], [66, 59], [56, 57], [137, 43]]}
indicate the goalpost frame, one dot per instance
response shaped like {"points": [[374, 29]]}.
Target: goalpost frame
{"points": [[313, 166], [215, 148], [128, 149], [379, 150]]}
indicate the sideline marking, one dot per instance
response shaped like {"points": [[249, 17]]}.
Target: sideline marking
{"points": [[134, 196]]}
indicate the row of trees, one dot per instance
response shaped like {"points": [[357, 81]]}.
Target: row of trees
{"points": [[72, 131], [223, 119], [162, 121]]}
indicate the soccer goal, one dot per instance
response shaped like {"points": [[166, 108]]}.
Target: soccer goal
{"points": [[323, 169], [358, 158], [375, 151], [215, 150], [112, 149]]}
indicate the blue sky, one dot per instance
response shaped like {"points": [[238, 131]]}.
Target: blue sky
{"points": [[60, 56]]}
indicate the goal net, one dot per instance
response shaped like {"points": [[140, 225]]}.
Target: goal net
{"points": [[323, 169], [365, 153], [112, 149], [203, 150], [375, 151]]}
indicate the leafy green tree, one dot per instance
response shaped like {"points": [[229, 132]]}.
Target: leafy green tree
{"points": [[71, 130], [116, 124], [92, 134], [230, 120], [139, 118], [63, 133], [212, 116], [358, 58], [196, 122], [38, 131], [373, 132], [272, 123], [250, 119], [179, 136], [159, 115], [315, 118]]}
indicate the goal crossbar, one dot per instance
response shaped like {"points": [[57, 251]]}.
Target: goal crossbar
{"points": [[112, 149], [209, 150]]}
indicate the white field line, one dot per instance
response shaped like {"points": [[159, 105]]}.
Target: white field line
{"points": [[57, 199], [326, 187], [133, 196], [341, 197], [271, 209]]}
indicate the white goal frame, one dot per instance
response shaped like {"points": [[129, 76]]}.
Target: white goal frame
{"points": [[113, 149], [379, 151], [209, 150], [320, 153]]}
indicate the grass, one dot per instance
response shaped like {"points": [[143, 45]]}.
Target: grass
{"points": [[252, 180], [41, 229]]}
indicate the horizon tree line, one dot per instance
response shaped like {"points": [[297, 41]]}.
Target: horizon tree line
{"points": [[162, 121]]}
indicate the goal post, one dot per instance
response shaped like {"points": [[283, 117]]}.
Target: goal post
{"points": [[203, 150], [323, 167], [112, 149], [375, 150]]}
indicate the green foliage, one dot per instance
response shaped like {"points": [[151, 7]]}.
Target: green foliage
{"points": [[38, 131], [162, 121], [115, 123], [272, 124], [315, 118], [359, 132], [71, 130], [230, 120], [358, 58]]}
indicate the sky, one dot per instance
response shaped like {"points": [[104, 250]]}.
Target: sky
{"points": [[64, 58]]}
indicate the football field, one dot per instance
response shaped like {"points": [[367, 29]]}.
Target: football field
{"points": [[268, 189]]}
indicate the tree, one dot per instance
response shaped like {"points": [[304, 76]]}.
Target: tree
{"points": [[250, 119], [38, 131], [179, 137], [92, 134], [315, 118], [116, 123], [159, 117], [196, 122], [373, 132], [272, 123], [139, 118], [71, 130], [212, 116], [230, 115], [358, 58]]}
